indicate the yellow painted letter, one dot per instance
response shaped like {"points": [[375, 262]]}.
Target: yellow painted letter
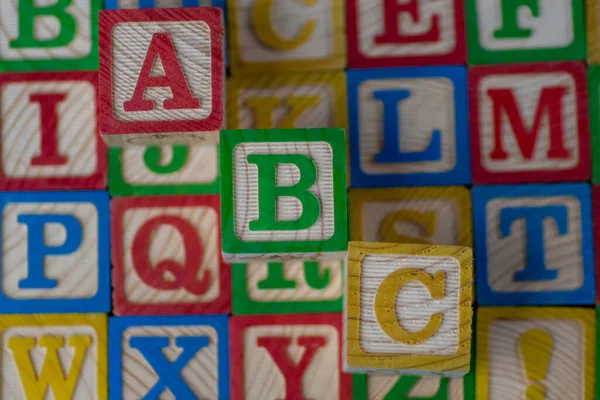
{"points": [[264, 107], [261, 20], [388, 233]]}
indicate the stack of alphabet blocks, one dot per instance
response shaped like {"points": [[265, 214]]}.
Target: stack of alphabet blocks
{"points": [[180, 262]]}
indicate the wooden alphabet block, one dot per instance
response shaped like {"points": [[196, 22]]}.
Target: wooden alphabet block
{"points": [[533, 244], [49, 131], [293, 100], [427, 215], [57, 356], [529, 123], [184, 356], [116, 4], [283, 194], [501, 31], [596, 236], [29, 42], [408, 126], [592, 12], [268, 35], [292, 286], [166, 256], [386, 33], [392, 324], [54, 252], [535, 353], [161, 75], [287, 356], [593, 79]]}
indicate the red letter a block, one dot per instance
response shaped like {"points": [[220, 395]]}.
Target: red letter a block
{"points": [[161, 75], [529, 123], [287, 357], [166, 256]]}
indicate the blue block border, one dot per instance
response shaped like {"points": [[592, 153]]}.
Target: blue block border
{"points": [[112, 4]]}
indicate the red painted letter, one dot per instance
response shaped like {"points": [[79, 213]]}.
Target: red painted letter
{"points": [[161, 46], [391, 25], [183, 276], [277, 348], [550, 103], [48, 121]]}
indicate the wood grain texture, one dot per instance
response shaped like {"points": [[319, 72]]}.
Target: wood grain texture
{"points": [[120, 4], [528, 123], [28, 348], [174, 101], [166, 256], [382, 387], [435, 215], [562, 369], [286, 36], [592, 13], [392, 324], [310, 343]]}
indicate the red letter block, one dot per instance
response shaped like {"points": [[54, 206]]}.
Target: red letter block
{"points": [[166, 256], [161, 75], [389, 33], [287, 357], [529, 123]]}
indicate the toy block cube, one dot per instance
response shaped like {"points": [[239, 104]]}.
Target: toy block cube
{"points": [[392, 324], [283, 194], [385, 33], [533, 244], [408, 126], [500, 31], [529, 123], [56, 356], [184, 356], [137, 170], [49, 132], [29, 42], [593, 75], [596, 235], [535, 353], [426, 215], [117, 4], [166, 256], [267, 36], [287, 356], [593, 31], [288, 287], [161, 75], [293, 100], [54, 252]]}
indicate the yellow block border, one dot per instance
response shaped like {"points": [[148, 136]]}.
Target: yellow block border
{"points": [[487, 315], [592, 31], [357, 358]]}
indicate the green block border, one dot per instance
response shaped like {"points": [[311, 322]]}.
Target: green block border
{"points": [[593, 78], [117, 186], [335, 137], [86, 63], [242, 304], [478, 55]]}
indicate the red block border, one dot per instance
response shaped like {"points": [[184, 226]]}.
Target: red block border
{"points": [[121, 306]]}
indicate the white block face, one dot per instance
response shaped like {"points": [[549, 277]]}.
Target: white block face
{"points": [[564, 375], [445, 216], [167, 243], [46, 28], [22, 124], [413, 305], [371, 25], [287, 20], [86, 386], [263, 378], [76, 274], [378, 386], [430, 107], [198, 374], [245, 176], [129, 46], [507, 255], [553, 28], [527, 90]]}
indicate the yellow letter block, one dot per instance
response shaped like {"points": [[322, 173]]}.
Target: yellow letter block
{"points": [[408, 309], [298, 35], [61, 354], [426, 215], [593, 30], [535, 353]]}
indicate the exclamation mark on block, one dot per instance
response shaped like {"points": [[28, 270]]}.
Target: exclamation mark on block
{"points": [[536, 350]]}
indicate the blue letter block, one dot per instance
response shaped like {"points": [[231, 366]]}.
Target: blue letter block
{"points": [[408, 127], [533, 244]]}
